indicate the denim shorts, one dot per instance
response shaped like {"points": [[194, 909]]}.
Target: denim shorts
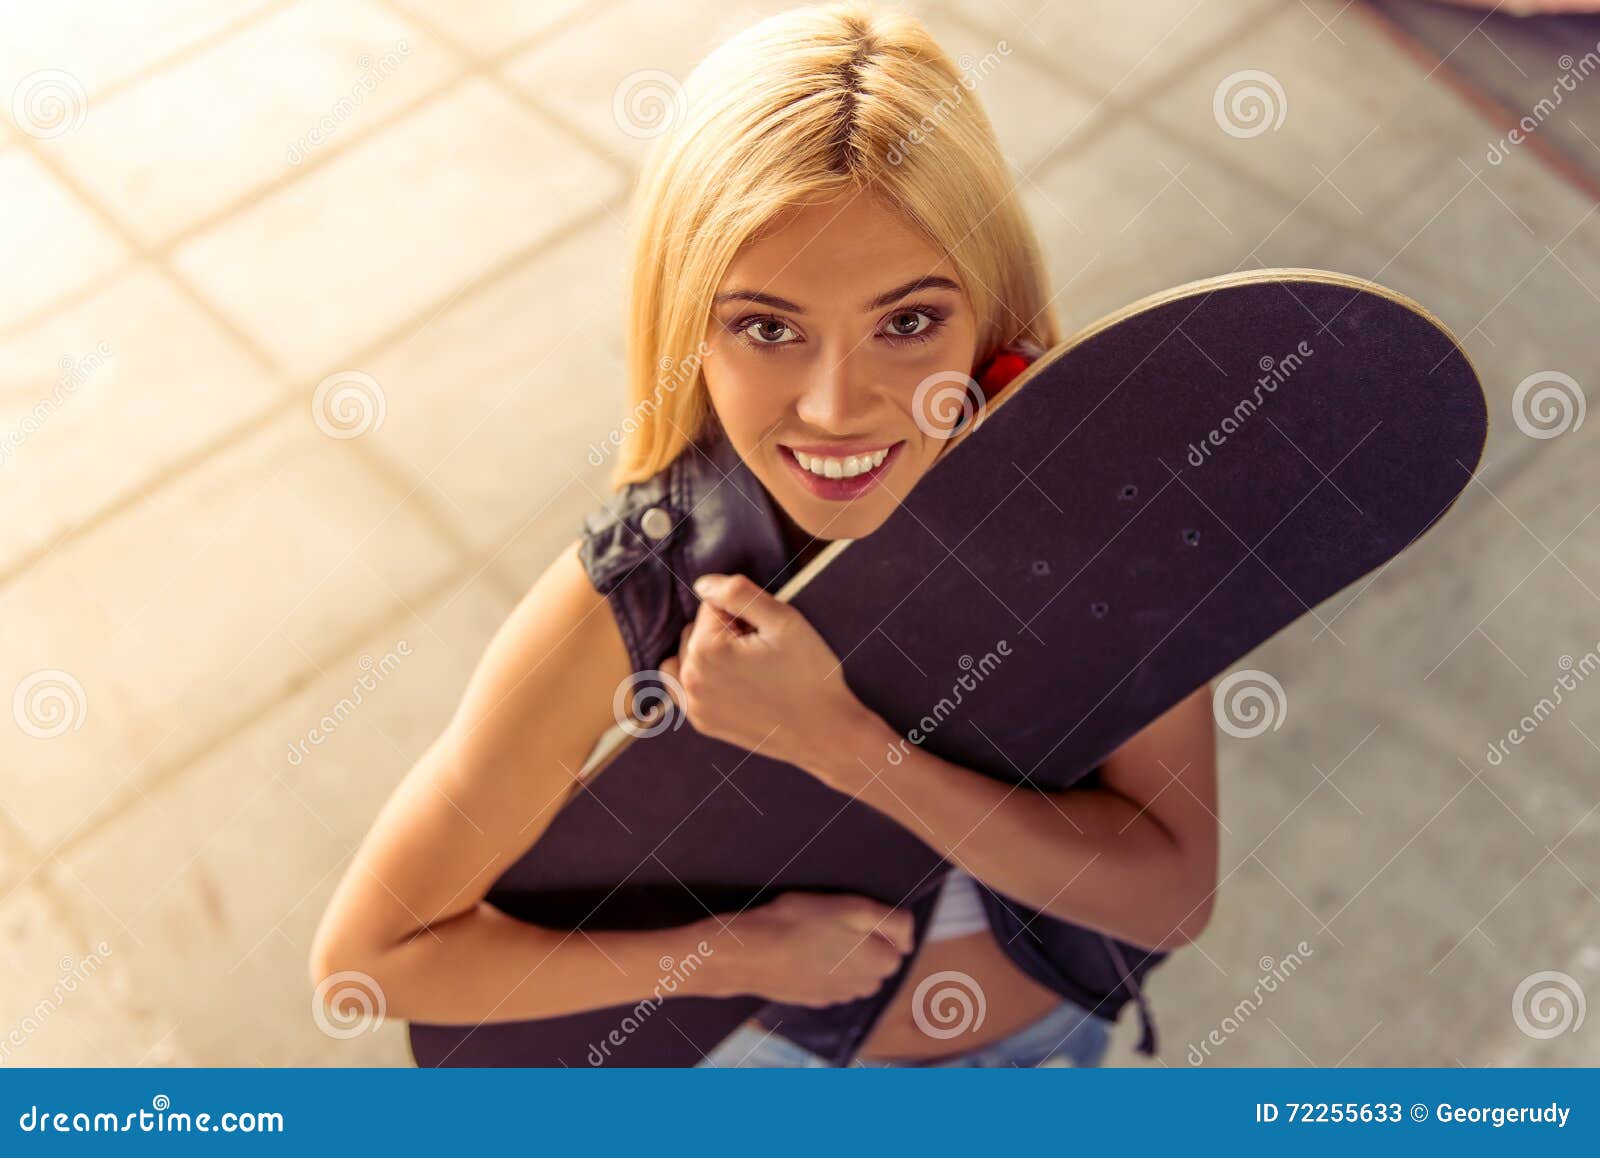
{"points": [[1068, 1035]]}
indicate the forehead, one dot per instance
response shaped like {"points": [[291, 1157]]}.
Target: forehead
{"points": [[857, 236]]}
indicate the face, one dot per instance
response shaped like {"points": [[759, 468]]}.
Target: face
{"points": [[821, 333]]}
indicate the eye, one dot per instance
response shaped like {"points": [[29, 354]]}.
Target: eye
{"points": [[916, 324], [764, 331]]}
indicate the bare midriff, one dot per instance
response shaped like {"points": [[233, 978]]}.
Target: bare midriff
{"points": [[1011, 1000]]}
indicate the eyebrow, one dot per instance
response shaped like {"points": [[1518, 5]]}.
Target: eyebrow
{"points": [[933, 281]]}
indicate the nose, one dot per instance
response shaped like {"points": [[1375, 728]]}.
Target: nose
{"points": [[836, 394]]}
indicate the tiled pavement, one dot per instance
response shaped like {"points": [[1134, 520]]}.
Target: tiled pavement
{"points": [[206, 571]]}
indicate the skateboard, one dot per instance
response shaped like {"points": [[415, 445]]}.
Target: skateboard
{"points": [[1146, 503]]}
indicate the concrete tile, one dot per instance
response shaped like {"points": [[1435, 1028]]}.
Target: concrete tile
{"points": [[1492, 228], [49, 243], [1032, 112], [136, 367], [304, 81], [66, 995], [1133, 213], [199, 894], [492, 27], [1343, 123], [167, 626], [1113, 49], [100, 44], [328, 264], [583, 73], [496, 405]]}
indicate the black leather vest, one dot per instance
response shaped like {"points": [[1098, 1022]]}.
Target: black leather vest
{"points": [[706, 512]]}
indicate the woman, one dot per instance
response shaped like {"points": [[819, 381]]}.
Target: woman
{"points": [[829, 226]]}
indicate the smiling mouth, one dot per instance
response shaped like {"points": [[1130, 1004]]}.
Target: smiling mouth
{"points": [[839, 476]]}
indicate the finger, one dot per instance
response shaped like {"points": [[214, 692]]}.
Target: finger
{"points": [[899, 930], [711, 626], [863, 914], [744, 598]]}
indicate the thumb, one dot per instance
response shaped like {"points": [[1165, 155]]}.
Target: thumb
{"points": [[744, 598]]}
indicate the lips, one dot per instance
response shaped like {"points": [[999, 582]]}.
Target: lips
{"points": [[834, 484]]}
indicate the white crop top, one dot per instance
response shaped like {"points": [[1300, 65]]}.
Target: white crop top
{"points": [[959, 910]]}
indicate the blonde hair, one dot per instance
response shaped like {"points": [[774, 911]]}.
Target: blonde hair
{"points": [[800, 107]]}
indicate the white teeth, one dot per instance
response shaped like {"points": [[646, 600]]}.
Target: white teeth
{"points": [[841, 467]]}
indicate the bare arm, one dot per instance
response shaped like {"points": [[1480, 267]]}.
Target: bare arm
{"points": [[1136, 857], [410, 911]]}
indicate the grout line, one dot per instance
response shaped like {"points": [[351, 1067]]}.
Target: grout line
{"points": [[127, 796], [294, 398], [190, 51], [488, 68], [1498, 116]]}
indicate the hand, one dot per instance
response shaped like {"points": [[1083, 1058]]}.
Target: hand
{"points": [[813, 948], [755, 673]]}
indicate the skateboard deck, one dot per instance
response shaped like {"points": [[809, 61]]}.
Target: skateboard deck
{"points": [[1148, 502]]}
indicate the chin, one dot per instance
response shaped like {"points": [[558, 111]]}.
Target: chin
{"points": [[857, 522]]}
